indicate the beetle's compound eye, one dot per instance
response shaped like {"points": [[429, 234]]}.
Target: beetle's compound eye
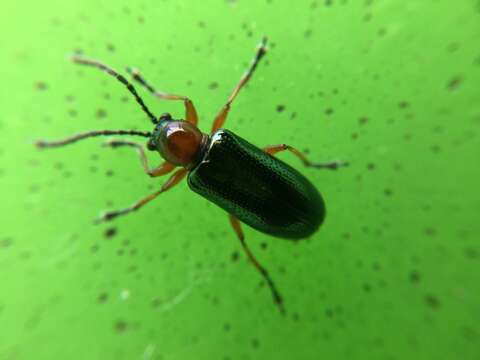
{"points": [[151, 145], [165, 117]]}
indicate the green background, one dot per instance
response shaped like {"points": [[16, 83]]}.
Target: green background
{"points": [[390, 86]]}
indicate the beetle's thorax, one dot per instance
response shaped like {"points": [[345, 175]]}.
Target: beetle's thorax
{"points": [[178, 142]]}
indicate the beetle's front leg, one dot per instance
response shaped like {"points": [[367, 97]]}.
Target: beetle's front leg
{"points": [[160, 170], [332, 165], [171, 182], [223, 113], [277, 298]]}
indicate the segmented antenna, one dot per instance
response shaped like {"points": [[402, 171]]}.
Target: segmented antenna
{"points": [[81, 136], [90, 62]]}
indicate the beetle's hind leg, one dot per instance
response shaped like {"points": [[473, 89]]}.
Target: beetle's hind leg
{"points": [[171, 182], [332, 165], [277, 298], [160, 170], [190, 111]]}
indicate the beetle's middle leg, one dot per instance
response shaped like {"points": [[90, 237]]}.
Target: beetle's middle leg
{"points": [[333, 165], [222, 115], [190, 111], [277, 298], [160, 170], [171, 182]]}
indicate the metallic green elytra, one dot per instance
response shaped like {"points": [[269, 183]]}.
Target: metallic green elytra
{"points": [[258, 189]]}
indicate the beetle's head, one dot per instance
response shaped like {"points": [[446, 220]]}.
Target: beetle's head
{"points": [[178, 142]]}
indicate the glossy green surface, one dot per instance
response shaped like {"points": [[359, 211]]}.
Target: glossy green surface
{"points": [[258, 189], [390, 86]]}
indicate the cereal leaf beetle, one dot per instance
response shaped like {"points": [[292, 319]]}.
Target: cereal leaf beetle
{"points": [[252, 185]]}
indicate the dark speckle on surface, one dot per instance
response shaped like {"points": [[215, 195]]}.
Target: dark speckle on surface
{"points": [[101, 113], [363, 120], [414, 277], [472, 253], [329, 111], [366, 287], [110, 232], [102, 298], [5, 243], [213, 85], [120, 326], [388, 192], [432, 301], [41, 85], [454, 83], [429, 231]]}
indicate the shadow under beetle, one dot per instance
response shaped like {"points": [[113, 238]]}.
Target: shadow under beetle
{"points": [[249, 183]]}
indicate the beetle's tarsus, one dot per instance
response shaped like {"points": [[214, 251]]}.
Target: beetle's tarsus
{"points": [[333, 165], [263, 45], [107, 216], [277, 298], [41, 144]]}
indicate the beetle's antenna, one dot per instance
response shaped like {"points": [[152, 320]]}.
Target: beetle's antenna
{"points": [[81, 136], [84, 61]]}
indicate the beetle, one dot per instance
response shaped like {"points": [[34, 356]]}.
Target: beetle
{"points": [[249, 183]]}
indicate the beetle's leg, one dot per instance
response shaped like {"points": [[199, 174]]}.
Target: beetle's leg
{"points": [[171, 182], [190, 112], [277, 298], [160, 170], [333, 165], [222, 115]]}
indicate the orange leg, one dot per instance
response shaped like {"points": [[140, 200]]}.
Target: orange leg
{"points": [[277, 298], [160, 170], [333, 165], [222, 115], [171, 182], [191, 113]]}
